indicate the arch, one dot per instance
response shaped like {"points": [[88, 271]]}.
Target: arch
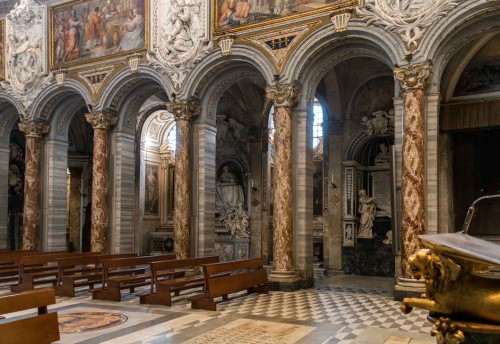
{"points": [[320, 52], [213, 65], [45, 103], [468, 21], [9, 115], [123, 82]]}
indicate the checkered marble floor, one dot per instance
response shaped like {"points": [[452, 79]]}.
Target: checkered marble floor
{"points": [[327, 314]]}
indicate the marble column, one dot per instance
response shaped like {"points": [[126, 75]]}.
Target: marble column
{"points": [[413, 80], [101, 122], [285, 97], [184, 112], [31, 212]]}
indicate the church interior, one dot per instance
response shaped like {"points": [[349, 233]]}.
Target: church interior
{"points": [[310, 153]]}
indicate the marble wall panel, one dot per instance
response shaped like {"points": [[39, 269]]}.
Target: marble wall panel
{"points": [[204, 148], [431, 163], [4, 195], [122, 193], [54, 195], [303, 197]]}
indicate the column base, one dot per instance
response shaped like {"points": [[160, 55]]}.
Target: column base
{"points": [[284, 281], [408, 287]]}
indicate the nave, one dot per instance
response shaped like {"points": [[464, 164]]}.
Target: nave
{"points": [[339, 309]]}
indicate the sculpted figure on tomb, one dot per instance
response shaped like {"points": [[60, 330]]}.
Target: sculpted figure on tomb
{"points": [[367, 209]]}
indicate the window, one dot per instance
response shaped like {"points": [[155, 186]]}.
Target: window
{"points": [[172, 138], [318, 123]]}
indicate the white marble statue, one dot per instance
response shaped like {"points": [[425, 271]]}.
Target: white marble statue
{"points": [[383, 156], [229, 203], [367, 209]]}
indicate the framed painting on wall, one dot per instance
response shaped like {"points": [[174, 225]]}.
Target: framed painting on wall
{"points": [[94, 30], [236, 15], [152, 190]]}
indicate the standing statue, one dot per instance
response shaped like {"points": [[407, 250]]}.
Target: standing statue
{"points": [[152, 191], [367, 210]]}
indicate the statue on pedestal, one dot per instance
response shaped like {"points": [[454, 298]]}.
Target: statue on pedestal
{"points": [[367, 209], [229, 204]]}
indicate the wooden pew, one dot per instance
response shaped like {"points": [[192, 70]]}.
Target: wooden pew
{"points": [[41, 270], [162, 287], [248, 274], [83, 271], [112, 285], [42, 329], [9, 270]]}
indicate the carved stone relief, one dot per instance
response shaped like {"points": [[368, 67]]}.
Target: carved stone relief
{"points": [[409, 19], [179, 37], [26, 51]]}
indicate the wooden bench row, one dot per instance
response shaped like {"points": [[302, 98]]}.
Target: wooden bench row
{"points": [[43, 328]]}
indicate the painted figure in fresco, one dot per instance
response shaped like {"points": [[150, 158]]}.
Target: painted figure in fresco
{"points": [[72, 38], [234, 12], [133, 32], [367, 209], [59, 38], [94, 29]]}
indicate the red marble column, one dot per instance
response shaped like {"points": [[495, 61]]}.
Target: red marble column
{"points": [[413, 80], [101, 123], [184, 111], [285, 97], [31, 212]]}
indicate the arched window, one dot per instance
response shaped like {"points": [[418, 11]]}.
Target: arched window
{"points": [[172, 138]]}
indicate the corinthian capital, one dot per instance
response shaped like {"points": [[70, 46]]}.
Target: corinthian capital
{"points": [[284, 95], [413, 76], [101, 120], [33, 129], [184, 109]]}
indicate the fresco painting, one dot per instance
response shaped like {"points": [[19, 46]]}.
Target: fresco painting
{"points": [[96, 29]]}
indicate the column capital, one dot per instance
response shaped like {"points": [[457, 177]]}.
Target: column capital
{"points": [[284, 95], [413, 76], [184, 109], [33, 128], [101, 120]]}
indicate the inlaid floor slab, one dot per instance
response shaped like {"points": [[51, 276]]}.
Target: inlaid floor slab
{"points": [[340, 309]]}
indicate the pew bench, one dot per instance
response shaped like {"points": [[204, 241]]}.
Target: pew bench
{"points": [[162, 288], [222, 279], [43, 328], [84, 271], [35, 270], [9, 270], [112, 285]]}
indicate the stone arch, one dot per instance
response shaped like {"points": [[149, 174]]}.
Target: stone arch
{"points": [[47, 101], [466, 22], [314, 55], [127, 93], [10, 111]]}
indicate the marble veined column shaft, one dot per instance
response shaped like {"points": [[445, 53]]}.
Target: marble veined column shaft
{"points": [[413, 80], [101, 122], [285, 97], [184, 112], [32, 203]]}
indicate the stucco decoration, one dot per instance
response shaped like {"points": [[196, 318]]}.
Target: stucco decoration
{"points": [[408, 18], [179, 37], [26, 51]]}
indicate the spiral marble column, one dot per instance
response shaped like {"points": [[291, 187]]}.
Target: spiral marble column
{"points": [[413, 79], [31, 212], [184, 111], [285, 97], [101, 122]]}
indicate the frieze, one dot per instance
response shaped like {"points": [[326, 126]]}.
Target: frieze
{"points": [[408, 19], [279, 44]]}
